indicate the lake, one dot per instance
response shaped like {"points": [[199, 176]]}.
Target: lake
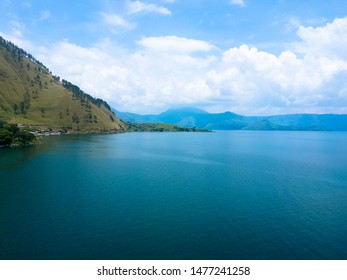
{"points": [[221, 195]]}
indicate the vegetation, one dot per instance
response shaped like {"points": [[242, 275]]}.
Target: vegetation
{"points": [[160, 127], [32, 96], [190, 117], [84, 97], [266, 125], [11, 134]]}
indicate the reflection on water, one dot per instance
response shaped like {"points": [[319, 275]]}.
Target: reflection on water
{"points": [[12, 158]]}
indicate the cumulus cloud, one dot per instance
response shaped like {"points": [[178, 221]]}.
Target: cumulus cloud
{"points": [[260, 82], [328, 41], [142, 81], [308, 78], [167, 71], [140, 7]]}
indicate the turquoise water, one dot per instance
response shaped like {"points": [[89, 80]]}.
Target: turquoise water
{"points": [[222, 195]]}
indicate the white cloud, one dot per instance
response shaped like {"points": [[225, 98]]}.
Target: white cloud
{"points": [[16, 28], [309, 78], [44, 15], [143, 81], [329, 40], [293, 24], [16, 36], [261, 83], [174, 44], [93, 69], [140, 7], [237, 2], [116, 21], [123, 21], [170, 71]]}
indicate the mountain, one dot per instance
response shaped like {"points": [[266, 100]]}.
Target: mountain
{"points": [[31, 96], [160, 127], [311, 122], [136, 118], [265, 125], [192, 117], [189, 117]]}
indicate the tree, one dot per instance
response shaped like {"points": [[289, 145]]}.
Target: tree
{"points": [[75, 118], [12, 134], [22, 108], [12, 128], [25, 137], [5, 137], [15, 107]]}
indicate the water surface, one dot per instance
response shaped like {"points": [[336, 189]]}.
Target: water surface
{"points": [[222, 195]]}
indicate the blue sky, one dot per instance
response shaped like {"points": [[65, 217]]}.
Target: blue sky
{"points": [[247, 56]]}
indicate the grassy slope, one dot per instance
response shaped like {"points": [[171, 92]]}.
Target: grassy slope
{"points": [[48, 103]]}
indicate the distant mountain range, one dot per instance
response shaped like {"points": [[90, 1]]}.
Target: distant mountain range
{"points": [[193, 117], [31, 95]]}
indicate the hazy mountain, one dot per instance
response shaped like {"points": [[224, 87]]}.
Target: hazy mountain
{"points": [[333, 122], [136, 118], [192, 117], [266, 125], [31, 95]]}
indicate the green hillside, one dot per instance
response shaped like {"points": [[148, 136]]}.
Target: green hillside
{"points": [[30, 95], [159, 127]]}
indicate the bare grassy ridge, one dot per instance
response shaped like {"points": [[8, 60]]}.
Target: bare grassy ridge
{"points": [[32, 96]]}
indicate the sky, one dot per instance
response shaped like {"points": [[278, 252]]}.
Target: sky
{"points": [[250, 57]]}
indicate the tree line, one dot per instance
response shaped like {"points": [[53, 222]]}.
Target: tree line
{"points": [[19, 52], [80, 94], [11, 134]]}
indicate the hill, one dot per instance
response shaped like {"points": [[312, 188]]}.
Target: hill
{"points": [[159, 127], [230, 121], [189, 117], [310, 122], [12, 135], [265, 125], [31, 96]]}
